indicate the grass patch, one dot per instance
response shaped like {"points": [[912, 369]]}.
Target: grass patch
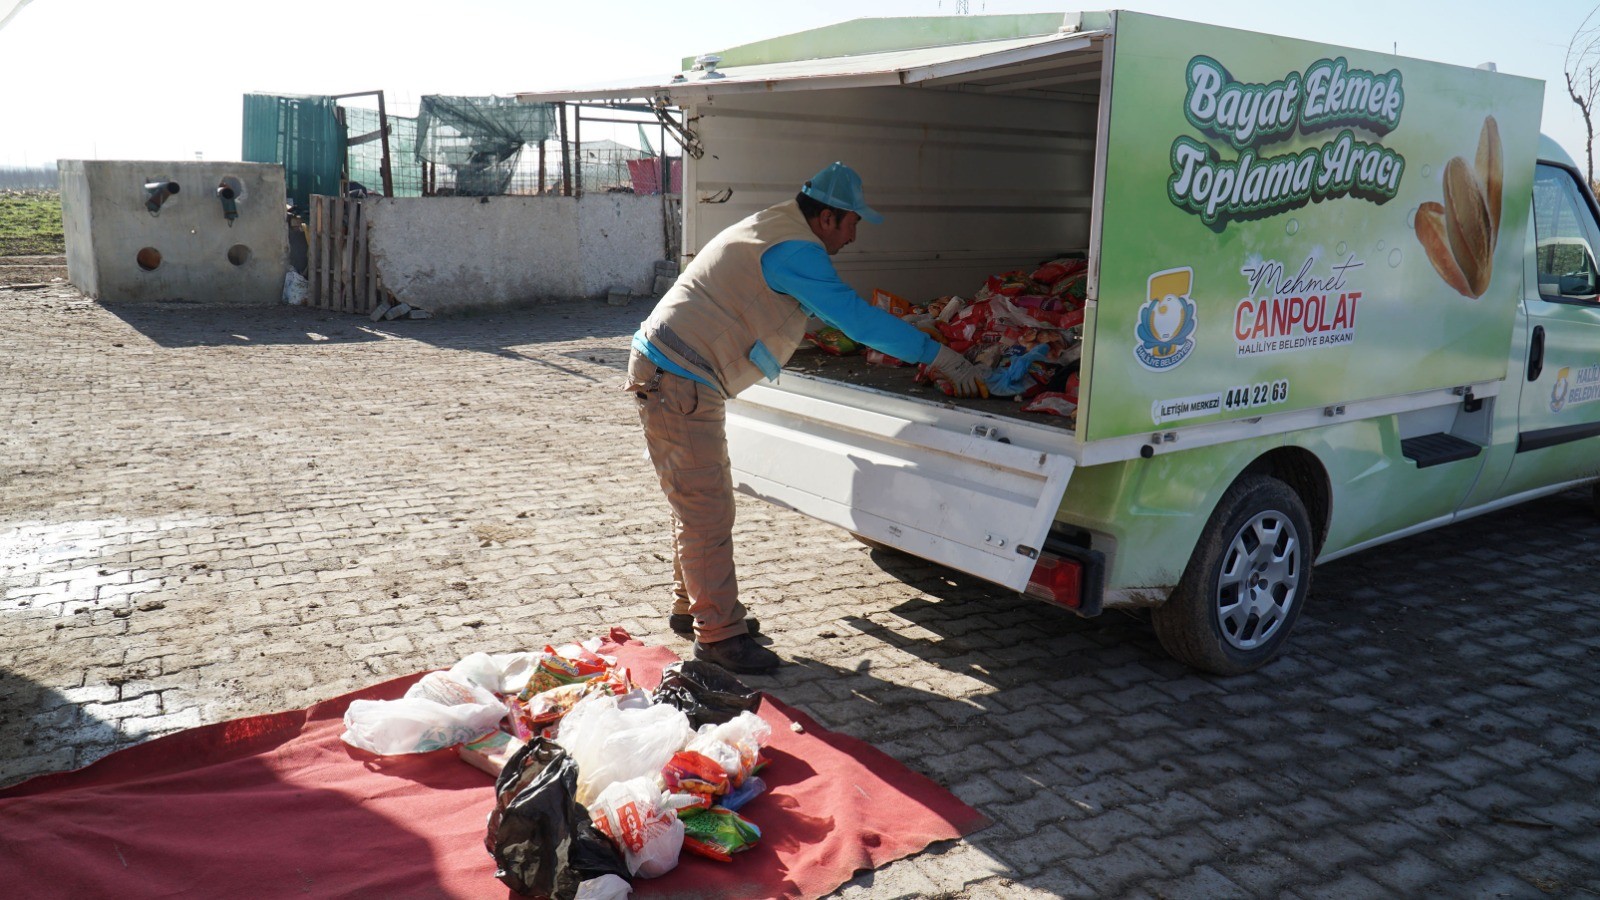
{"points": [[30, 223]]}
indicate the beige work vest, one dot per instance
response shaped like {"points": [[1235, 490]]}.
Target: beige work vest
{"points": [[721, 308]]}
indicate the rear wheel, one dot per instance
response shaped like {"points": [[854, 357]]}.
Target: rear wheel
{"points": [[1244, 586]]}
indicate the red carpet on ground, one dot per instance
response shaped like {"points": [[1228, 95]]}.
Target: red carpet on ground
{"points": [[278, 805]]}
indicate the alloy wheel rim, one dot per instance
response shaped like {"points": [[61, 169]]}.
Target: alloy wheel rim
{"points": [[1259, 580]]}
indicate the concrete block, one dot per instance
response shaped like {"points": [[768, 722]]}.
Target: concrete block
{"points": [[663, 284], [618, 297], [118, 248], [397, 311], [380, 311], [419, 314]]}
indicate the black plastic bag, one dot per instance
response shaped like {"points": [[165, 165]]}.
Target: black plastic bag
{"points": [[539, 834], [706, 692], [593, 854]]}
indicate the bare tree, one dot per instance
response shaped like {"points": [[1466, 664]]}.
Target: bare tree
{"points": [[1583, 76]]}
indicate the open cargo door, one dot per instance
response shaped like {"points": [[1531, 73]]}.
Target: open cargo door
{"points": [[952, 492]]}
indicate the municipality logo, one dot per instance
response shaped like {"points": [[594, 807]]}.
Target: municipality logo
{"points": [[1166, 321], [1558, 393]]}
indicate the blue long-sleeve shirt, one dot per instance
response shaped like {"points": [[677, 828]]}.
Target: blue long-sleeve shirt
{"points": [[803, 270]]}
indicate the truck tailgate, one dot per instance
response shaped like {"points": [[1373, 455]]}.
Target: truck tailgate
{"points": [[941, 483]]}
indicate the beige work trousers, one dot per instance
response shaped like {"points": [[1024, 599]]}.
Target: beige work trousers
{"points": [[685, 430]]}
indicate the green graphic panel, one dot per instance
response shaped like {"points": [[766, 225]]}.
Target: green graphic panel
{"points": [[1290, 225]]}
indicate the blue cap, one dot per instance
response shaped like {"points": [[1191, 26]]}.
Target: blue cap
{"points": [[839, 186]]}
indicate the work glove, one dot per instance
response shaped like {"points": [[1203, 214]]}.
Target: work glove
{"points": [[964, 377]]}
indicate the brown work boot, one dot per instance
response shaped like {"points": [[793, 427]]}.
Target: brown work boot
{"points": [[683, 623], [739, 653]]}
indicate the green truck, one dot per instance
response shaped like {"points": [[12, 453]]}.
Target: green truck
{"points": [[1334, 298]]}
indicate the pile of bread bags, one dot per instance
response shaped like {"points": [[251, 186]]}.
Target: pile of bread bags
{"points": [[655, 773], [1023, 328]]}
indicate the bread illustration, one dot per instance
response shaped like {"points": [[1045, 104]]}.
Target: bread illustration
{"points": [[1460, 234]]}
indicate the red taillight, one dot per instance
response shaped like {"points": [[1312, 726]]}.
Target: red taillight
{"points": [[1057, 580]]}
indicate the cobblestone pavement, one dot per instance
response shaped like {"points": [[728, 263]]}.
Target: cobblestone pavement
{"points": [[207, 513]]}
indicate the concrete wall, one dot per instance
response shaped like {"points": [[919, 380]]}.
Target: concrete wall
{"points": [[81, 268], [452, 253], [201, 256]]}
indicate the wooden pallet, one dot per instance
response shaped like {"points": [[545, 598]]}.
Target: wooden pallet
{"points": [[340, 270]]}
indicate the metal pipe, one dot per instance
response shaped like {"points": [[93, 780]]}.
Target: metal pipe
{"points": [[620, 121], [383, 167], [566, 154]]}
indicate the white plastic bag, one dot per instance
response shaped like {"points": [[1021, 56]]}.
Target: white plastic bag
{"points": [[294, 288], [614, 739], [503, 673], [735, 744], [445, 690], [606, 887], [435, 713], [636, 816]]}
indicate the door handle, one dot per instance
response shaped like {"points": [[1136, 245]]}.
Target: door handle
{"points": [[1536, 353]]}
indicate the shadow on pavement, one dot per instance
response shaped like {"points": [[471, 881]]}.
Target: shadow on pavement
{"points": [[1436, 692], [500, 332], [43, 730], [174, 325]]}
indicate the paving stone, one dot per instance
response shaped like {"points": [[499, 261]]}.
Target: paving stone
{"points": [[1346, 885], [146, 705], [1172, 808], [1495, 886], [1182, 850], [1107, 830], [1328, 852], [1046, 847], [1204, 883], [1460, 851], [1041, 808], [1409, 874], [900, 882], [1112, 872], [1244, 833]]}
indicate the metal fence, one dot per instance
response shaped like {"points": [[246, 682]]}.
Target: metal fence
{"points": [[456, 146]]}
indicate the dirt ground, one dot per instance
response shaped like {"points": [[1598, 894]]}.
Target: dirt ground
{"points": [[15, 270]]}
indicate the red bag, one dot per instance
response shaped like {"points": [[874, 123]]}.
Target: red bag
{"points": [[1052, 403], [1049, 273], [697, 775]]}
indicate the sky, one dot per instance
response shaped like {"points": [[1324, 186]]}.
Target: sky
{"points": [[163, 79]]}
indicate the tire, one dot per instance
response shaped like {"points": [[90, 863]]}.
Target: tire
{"points": [[1243, 588], [1594, 499]]}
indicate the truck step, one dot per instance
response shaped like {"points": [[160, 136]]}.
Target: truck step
{"points": [[1433, 449]]}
